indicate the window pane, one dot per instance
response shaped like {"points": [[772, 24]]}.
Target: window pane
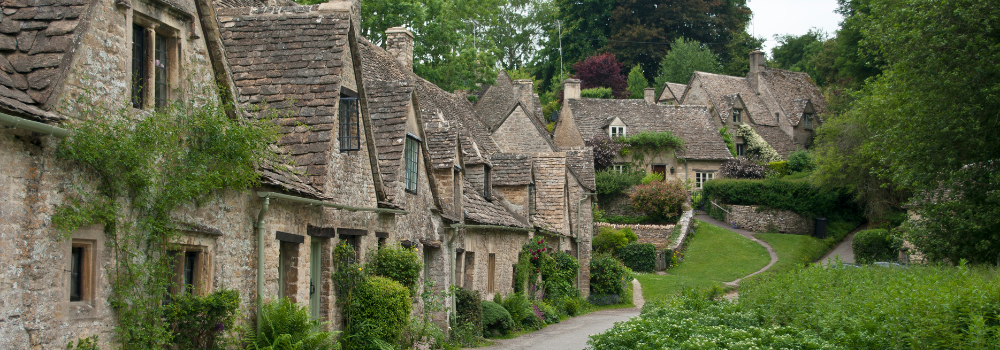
{"points": [[140, 55], [190, 261], [160, 66], [411, 151], [350, 138], [76, 274]]}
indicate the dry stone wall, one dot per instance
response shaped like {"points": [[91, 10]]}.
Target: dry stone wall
{"points": [[753, 218], [658, 235]]}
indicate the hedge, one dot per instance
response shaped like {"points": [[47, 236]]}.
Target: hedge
{"points": [[875, 245], [638, 256], [398, 264], [608, 275], [496, 319], [469, 308], [800, 196], [384, 305]]}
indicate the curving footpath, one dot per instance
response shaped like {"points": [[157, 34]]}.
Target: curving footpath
{"points": [[749, 235], [573, 333]]}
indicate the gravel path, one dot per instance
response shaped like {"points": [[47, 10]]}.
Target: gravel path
{"points": [[572, 334], [749, 235]]}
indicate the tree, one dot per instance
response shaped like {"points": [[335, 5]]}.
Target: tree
{"points": [[735, 57], [637, 82], [519, 26], [448, 50], [794, 52], [602, 71], [685, 57]]}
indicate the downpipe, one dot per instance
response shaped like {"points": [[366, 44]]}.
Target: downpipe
{"points": [[579, 248], [260, 259]]}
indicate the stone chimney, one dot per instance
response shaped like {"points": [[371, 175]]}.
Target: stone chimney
{"points": [[571, 89], [649, 94], [525, 90], [756, 61], [399, 44]]}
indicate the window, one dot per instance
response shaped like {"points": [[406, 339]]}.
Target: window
{"points": [[81, 263], [531, 199], [411, 150], [470, 269], [617, 131], [186, 279], [151, 64], [807, 120], [700, 178], [492, 263], [619, 168], [350, 130], [741, 149], [315, 281], [288, 272], [487, 184], [737, 116]]}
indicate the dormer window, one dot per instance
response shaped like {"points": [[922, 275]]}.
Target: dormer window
{"points": [[350, 129], [807, 121], [152, 63], [411, 153], [737, 116], [617, 131], [486, 182]]}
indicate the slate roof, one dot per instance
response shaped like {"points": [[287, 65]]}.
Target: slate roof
{"points": [[793, 90], [291, 58], [485, 212], [437, 105], [672, 90], [581, 163], [441, 142], [37, 42], [690, 123], [511, 169], [718, 87], [497, 102]]}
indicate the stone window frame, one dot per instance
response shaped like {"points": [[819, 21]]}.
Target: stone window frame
{"points": [[532, 199], [155, 88], [87, 267], [616, 131], [487, 182], [737, 116], [349, 121], [741, 149], [807, 120], [411, 161], [700, 176]]}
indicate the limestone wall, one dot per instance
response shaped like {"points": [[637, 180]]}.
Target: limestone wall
{"points": [[513, 135], [658, 235], [749, 218]]}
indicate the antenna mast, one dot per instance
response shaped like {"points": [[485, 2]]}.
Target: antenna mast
{"points": [[559, 22]]}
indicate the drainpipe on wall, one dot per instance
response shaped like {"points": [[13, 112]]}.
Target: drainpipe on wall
{"points": [[260, 258], [579, 214], [451, 258], [21, 123]]}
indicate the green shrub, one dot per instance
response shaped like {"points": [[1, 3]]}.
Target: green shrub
{"points": [[559, 272], [200, 322], [638, 256], [800, 196], [659, 200], [779, 168], [383, 305], [651, 178], [398, 264], [695, 322], [597, 92], [84, 344], [469, 308], [549, 314], [610, 183], [572, 306], [609, 240], [875, 245], [608, 275], [496, 319], [423, 331], [521, 311], [874, 307], [800, 161], [286, 325]]}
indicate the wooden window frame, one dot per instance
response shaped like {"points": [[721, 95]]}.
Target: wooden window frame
{"points": [[155, 60], [180, 255], [702, 176], [491, 263], [613, 134], [741, 149], [411, 160], [737, 116], [85, 271], [349, 117]]}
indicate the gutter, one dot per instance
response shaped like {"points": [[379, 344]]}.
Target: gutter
{"points": [[579, 228], [21, 123], [259, 225]]}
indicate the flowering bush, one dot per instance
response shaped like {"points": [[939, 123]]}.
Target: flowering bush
{"points": [[744, 168], [756, 146], [605, 150], [659, 200]]}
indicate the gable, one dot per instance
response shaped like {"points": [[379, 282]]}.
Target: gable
{"points": [[521, 133]]}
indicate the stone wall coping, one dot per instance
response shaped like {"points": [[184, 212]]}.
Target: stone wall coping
{"points": [[635, 226], [685, 223]]}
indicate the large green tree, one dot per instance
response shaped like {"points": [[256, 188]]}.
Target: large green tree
{"points": [[685, 57], [449, 49], [519, 27]]}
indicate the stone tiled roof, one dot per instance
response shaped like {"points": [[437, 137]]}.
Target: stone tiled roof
{"points": [[690, 123], [511, 169], [672, 90], [719, 87], [485, 212], [472, 153], [252, 3], [37, 41], [778, 139], [581, 163], [793, 90], [388, 106], [497, 102], [288, 181], [291, 59], [441, 142], [439, 106]]}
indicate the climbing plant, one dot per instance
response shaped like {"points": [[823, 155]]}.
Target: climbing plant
{"points": [[756, 146], [147, 164], [728, 139], [646, 143]]}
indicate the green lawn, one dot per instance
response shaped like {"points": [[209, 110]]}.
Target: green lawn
{"points": [[793, 249], [714, 255]]}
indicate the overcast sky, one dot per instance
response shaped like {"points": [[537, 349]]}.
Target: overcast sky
{"points": [[796, 17]]}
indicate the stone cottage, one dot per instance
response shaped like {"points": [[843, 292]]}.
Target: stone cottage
{"points": [[699, 160], [380, 156], [781, 106]]}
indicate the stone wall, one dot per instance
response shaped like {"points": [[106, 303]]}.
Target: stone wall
{"points": [[617, 205], [751, 218], [550, 184], [512, 135], [504, 244], [658, 235]]}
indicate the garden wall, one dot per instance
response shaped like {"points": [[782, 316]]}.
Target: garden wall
{"points": [[752, 218], [658, 235], [617, 205]]}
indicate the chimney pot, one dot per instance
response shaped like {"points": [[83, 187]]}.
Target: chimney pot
{"points": [[571, 89], [650, 95], [399, 44], [756, 61]]}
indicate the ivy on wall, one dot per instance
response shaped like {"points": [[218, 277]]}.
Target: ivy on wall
{"points": [[147, 164], [729, 140], [647, 143], [756, 146]]}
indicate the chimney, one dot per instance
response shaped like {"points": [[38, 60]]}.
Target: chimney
{"points": [[571, 89], [756, 61], [525, 90], [399, 43], [650, 95]]}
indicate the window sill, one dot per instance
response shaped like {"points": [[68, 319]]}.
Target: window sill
{"points": [[79, 310]]}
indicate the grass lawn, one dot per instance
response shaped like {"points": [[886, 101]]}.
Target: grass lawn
{"points": [[793, 249], [714, 255]]}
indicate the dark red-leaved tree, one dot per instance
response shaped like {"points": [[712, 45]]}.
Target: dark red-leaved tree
{"points": [[602, 71]]}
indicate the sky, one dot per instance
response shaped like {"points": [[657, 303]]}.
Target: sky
{"points": [[795, 17]]}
